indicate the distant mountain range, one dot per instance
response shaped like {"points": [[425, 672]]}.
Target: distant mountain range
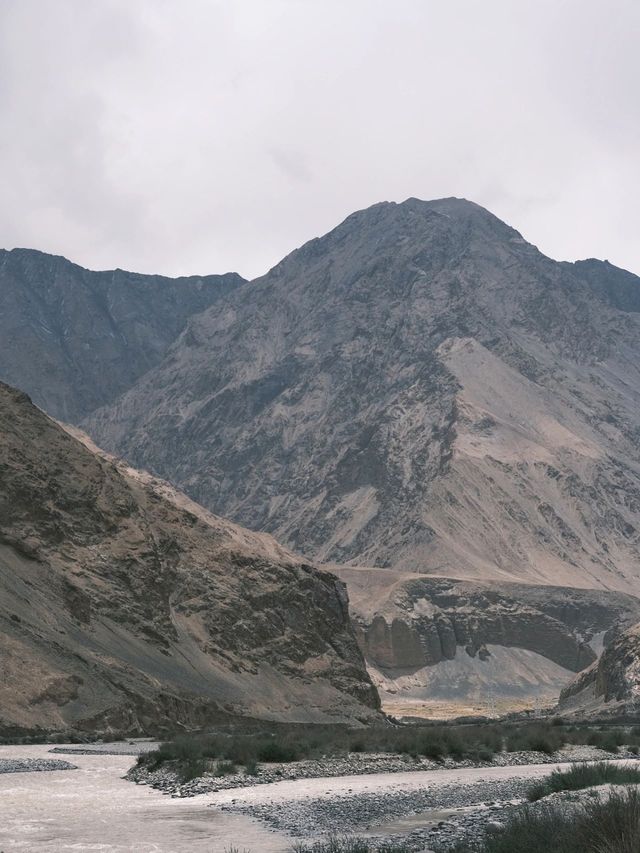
{"points": [[420, 391]]}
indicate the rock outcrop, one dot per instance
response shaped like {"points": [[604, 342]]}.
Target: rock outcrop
{"points": [[74, 339], [125, 605], [421, 390], [611, 685], [494, 639]]}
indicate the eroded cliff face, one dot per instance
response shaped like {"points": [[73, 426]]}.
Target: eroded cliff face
{"points": [[125, 605], [610, 686], [419, 389], [501, 638]]}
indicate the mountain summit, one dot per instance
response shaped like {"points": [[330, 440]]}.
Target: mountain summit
{"points": [[419, 399], [419, 389]]}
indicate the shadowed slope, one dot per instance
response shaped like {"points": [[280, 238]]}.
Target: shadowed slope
{"points": [[123, 604]]}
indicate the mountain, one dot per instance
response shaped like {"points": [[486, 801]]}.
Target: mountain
{"points": [[611, 685], [420, 389], [420, 392], [75, 339], [125, 605]]}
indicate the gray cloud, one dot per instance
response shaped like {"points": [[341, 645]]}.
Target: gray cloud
{"points": [[204, 136]]}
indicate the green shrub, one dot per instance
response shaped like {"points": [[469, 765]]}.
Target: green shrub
{"points": [[280, 742], [601, 826], [277, 753], [613, 825], [433, 749], [585, 775], [610, 741], [251, 767], [535, 737], [192, 768]]}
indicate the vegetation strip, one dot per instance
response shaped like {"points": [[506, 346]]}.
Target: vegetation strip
{"points": [[193, 756]]}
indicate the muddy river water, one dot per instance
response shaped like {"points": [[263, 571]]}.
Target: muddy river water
{"points": [[94, 808]]}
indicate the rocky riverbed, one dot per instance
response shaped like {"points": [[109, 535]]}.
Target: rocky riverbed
{"points": [[427, 811], [423, 817]]}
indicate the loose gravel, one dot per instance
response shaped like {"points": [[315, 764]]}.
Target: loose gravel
{"points": [[472, 806], [433, 817]]}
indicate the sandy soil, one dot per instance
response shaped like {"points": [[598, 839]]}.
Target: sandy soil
{"points": [[442, 710]]}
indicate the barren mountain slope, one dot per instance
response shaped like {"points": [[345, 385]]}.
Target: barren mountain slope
{"points": [[124, 605], [74, 339], [418, 389]]}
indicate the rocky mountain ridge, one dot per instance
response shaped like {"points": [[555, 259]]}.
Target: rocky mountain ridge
{"points": [[419, 389], [123, 605], [75, 339], [434, 640]]}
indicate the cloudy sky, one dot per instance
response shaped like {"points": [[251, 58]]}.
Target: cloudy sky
{"points": [[202, 136]]}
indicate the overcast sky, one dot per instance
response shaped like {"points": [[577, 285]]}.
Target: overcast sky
{"points": [[195, 136]]}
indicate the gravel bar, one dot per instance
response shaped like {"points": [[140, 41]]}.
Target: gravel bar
{"points": [[369, 811], [31, 765], [116, 748]]}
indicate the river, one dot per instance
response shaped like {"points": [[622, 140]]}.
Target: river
{"points": [[95, 809]]}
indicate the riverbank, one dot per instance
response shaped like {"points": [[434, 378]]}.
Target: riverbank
{"points": [[425, 810]]}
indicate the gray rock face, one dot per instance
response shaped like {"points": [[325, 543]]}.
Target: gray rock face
{"points": [[611, 685], [419, 389], [125, 605], [75, 339], [408, 625], [436, 618]]}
